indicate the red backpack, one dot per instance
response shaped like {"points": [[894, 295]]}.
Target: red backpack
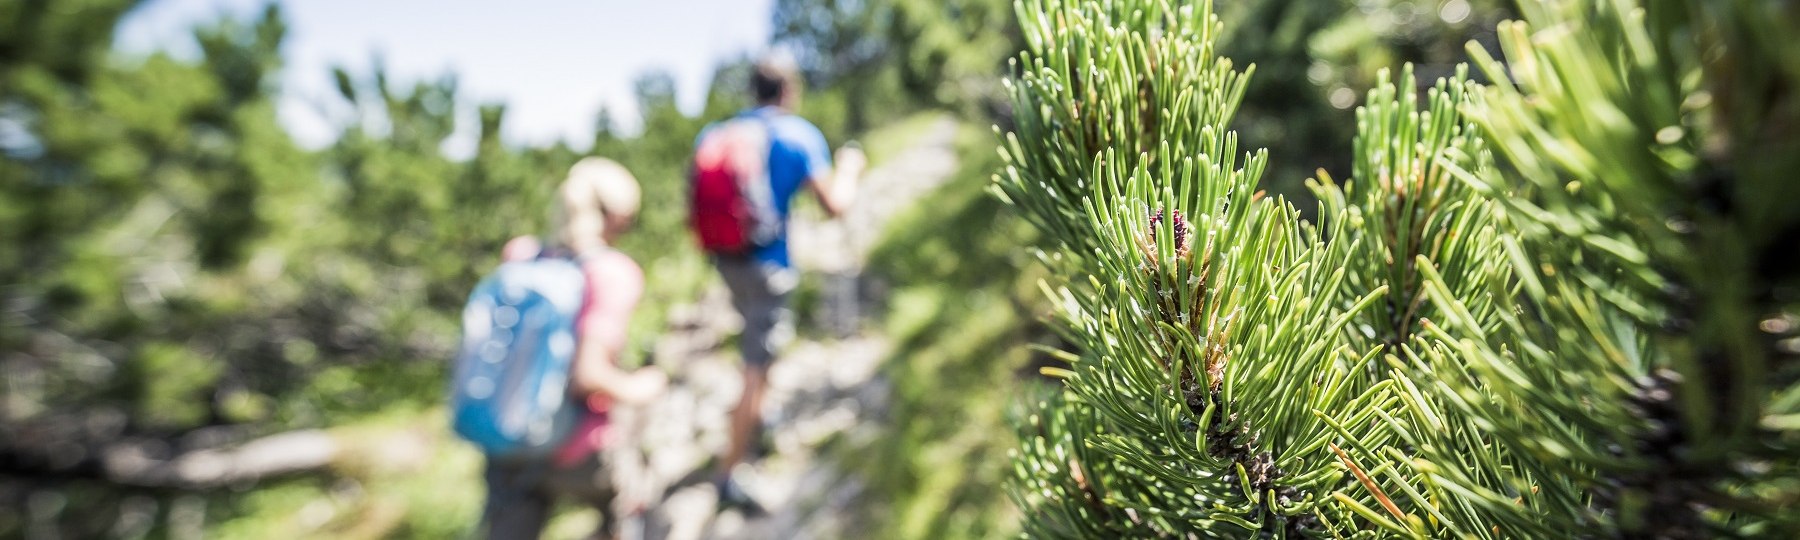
{"points": [[733, 204]]}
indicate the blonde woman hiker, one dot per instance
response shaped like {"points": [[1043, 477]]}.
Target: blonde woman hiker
{"points": [[552, 320]]}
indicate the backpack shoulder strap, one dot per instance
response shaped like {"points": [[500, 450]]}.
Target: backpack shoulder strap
{"points": [[762, 116]]}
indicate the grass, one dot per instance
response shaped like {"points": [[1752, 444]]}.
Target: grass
{"points": [[426, 491], [401, 475]]}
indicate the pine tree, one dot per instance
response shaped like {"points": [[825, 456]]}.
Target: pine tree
{"points": [[1655, 244], [1587, 330]]}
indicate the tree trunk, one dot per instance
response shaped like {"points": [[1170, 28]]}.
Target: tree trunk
{"points": [[283, 453]]}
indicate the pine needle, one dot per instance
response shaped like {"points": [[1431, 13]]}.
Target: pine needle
{"points": [[1380, 496]]}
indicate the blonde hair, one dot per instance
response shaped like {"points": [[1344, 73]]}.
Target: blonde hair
{"points": [[596, 189]]}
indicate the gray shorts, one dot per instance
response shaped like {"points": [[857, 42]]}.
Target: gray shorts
{"points": [[760, 294]]}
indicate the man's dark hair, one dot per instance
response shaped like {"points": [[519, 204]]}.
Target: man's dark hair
{"points": [[770, 77]]}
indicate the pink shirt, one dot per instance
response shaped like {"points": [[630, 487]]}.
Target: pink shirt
{"points": [[615, 283]]}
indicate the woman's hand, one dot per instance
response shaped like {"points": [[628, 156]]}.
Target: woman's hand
{"points": [[644, 386]]}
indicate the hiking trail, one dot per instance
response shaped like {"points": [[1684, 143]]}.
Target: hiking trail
{"points": [[820, 390]]}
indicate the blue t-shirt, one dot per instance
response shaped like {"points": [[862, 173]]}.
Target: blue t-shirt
{"points": [[797, 152]]}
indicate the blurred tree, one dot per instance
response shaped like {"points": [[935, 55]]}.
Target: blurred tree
{"points": [[150, 211], [952, 53], [68, 42], [1313, 59], [658, 156], [655, 93], [607, 140], [837, 43], [730, 89]]}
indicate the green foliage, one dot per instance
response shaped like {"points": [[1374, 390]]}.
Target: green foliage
{"points": [[1589, 333], [180, 274], [831, 39], [837, 43], [950, 52], [1314, 58], [1208, 384], [137, 200], [1651, 222], [1403, 208], [1158, 69], [956, 317], [882, 57], [175, 384]]}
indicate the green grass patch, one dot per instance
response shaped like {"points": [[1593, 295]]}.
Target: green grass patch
{"points": [[402, 474]]}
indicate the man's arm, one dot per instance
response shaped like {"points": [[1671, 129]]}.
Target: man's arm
{"points": [[836, 188]]}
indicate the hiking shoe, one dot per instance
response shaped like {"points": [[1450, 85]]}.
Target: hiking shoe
{"points": [[733, 495]]}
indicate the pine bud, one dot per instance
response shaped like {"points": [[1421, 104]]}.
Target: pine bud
{"points": [[1179, 229]]}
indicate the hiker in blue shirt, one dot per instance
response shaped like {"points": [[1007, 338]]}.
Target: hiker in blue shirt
{"points": [[762, 278]]}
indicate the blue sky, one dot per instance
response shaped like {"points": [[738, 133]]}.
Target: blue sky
{"points": [[554, 62]]}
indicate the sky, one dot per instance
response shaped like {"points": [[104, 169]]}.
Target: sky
{"points": [[554, 62]]}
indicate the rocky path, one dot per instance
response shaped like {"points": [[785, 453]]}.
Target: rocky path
{"points": [[820, 391]]}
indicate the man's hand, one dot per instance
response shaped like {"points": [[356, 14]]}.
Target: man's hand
{"points": [[850, 162], [837, 193]]}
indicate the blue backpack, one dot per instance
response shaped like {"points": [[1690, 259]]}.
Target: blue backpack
{"points": [[510, 385]]}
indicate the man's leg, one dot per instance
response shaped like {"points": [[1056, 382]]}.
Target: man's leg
{"points": [[746, 418], [760, 294]]}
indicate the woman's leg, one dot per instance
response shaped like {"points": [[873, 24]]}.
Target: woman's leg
{"points": [[517, 503]]}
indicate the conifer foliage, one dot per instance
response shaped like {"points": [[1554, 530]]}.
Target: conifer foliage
{"points": [[1560, 303]]}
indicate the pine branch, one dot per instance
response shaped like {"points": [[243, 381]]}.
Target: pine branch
{"points": [[1212, 381], [1636, 259], [1593, 333]]}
